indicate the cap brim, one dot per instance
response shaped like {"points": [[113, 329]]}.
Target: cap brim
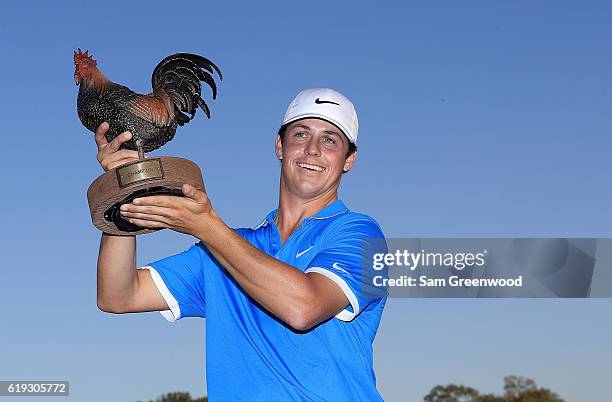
{"points": [[322, 117]]}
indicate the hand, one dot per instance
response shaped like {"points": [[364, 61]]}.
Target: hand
{"points": [[109, 154], [192, 214]]}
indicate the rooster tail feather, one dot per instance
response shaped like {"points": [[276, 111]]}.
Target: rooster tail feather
{"points": [[207, 78], [178, 96], [180, 76], [181, 118], [176, 80], [204, 107], [207, 64]]}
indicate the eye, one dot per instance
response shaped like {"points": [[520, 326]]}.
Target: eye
{"points": [[300, 134], [329, 140]]}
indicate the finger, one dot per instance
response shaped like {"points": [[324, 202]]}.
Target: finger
{"points": [[162, 201], [194, 193], [146, 213], [120, 162], [145, 216], [148, 224], [111, 161], [99, 137], [115, 144], [147, 210], [120, 155], [127, 154]]}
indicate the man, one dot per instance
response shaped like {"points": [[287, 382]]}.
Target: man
{"points": [[291, 310]]}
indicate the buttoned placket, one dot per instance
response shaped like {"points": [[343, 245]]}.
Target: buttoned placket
{"points": [[275, 238], [276, 234]]}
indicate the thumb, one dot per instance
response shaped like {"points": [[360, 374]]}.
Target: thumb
{"points": [[193, 193]]}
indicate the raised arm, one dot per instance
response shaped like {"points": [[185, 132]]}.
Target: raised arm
{"points": [[121, 287]]}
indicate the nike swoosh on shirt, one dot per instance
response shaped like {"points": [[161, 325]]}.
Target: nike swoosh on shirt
{"points": [[298, 255], [336, 266]]}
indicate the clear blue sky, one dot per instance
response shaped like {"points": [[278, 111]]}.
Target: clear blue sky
{"points": [[477, 119]]}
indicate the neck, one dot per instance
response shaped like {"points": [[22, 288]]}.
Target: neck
{"points": [[97, 80], [293, 210]]}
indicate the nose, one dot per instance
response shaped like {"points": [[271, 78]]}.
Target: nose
{"points": [[312, 147]]}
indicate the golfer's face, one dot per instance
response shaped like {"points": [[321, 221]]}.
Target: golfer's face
{"points": [[313, 157]]}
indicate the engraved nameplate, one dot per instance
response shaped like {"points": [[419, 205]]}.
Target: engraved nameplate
{"points": [[140, 171]]}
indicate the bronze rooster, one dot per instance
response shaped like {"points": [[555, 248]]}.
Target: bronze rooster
{"points": [[152, 119]]}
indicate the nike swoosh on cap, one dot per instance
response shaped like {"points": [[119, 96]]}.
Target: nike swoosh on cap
{"points": [[319, 101]]}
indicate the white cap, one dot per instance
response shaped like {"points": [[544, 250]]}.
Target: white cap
{"points": [[326, 104]]}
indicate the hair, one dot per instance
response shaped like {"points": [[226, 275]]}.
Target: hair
{"points": [[352, 148]]}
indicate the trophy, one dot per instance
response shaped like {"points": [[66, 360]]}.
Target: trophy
{"points": [[152, 119]]}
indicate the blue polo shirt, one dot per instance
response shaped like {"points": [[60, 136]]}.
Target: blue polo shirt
{"points": [[250, 354]]}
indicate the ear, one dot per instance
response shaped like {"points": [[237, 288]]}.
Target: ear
{"points": [[350, 161], [278, 148]]}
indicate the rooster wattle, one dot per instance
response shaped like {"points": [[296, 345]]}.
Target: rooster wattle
{"points": [[152, 119]]}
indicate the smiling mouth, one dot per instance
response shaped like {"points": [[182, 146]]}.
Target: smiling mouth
{"points": [[310, 166]]}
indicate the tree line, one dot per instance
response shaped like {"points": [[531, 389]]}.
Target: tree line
{"points": [[516, 389]]}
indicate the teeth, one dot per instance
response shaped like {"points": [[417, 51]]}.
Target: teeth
{"points": [[311, 167]]}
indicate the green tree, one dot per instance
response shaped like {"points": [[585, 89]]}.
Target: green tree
{"points": [[491, 398], [179, 397], [520, 389], [516, 389], [515, 386], [452, 393]]}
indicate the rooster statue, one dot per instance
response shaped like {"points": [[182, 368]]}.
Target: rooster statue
{"points": [[152, 119]]}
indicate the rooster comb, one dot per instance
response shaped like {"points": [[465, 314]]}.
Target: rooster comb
{"points": [[82, 58]]}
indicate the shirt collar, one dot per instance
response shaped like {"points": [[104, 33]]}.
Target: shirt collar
{"points": [[335, 208]]}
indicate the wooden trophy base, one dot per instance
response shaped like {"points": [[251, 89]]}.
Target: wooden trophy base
{"points": [[155, 176]]}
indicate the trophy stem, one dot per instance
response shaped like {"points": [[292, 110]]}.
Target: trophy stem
{"points": [[140, 149]]}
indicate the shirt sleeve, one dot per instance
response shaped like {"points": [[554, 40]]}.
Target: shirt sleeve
{"points": [[345, 258], [180, 280]]}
